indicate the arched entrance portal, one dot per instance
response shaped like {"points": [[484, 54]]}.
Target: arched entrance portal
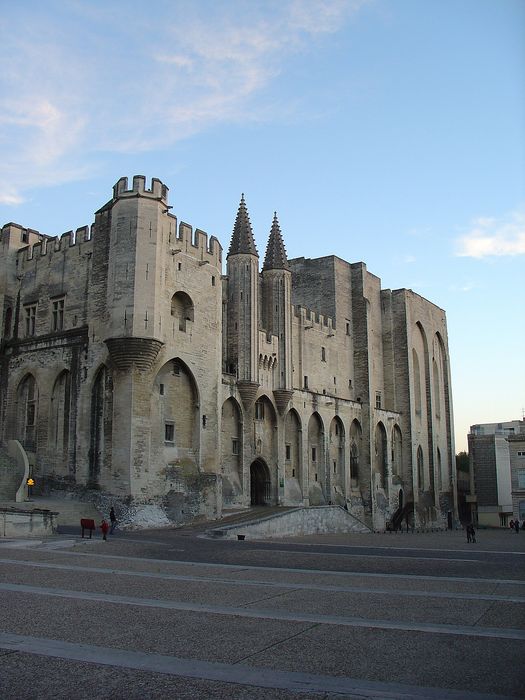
{"points": [[259, 484]]}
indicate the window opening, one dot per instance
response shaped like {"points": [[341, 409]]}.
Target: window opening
{"points": [[169, 432], [58, 315], [30, 319]]}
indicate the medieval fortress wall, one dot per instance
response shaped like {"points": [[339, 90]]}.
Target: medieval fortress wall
{"points": [[131, 364]]}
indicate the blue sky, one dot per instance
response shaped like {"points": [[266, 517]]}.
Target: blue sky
{"points": [[387, 131]]}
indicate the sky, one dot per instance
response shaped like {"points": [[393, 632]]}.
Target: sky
{"points": [[385, 131]]}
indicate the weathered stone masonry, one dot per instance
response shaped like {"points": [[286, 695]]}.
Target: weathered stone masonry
{"points": [[132, 365]]}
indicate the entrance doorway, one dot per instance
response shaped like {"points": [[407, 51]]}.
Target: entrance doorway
{"points": [[260, 492]]}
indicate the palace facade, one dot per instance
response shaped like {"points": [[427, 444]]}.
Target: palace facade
{"points": [[132, 365]]}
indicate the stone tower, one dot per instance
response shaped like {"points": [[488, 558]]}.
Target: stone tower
{"points": [[276, 311], [242, 268]]}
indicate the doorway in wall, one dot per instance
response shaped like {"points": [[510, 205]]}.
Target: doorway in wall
{"points": [[260, 491]]}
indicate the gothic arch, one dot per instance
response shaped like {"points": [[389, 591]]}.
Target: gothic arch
{"points": [[27, 411], [260, 483], [381, 454], [417, 382], [100, 423], [59, 414], [397, 451], [175, 420], [316, 461], [336, 460], [293, 447], [182, 310], [445, 436], [265, 434], [231, 450], [356, 434]]}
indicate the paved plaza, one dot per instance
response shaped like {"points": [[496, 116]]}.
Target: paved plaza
{"points": [[173, 614]]}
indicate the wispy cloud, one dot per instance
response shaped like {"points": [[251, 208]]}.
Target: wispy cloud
{"points": [[69, 101], [489, 237]]}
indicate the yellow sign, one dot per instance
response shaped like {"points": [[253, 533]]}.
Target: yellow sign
{"points": [[30, 482]]}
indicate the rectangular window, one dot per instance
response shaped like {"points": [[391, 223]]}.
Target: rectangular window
{"points": [[58, 315], [378, 399], [323, 355], [521, 478], [259, 410], [521, 454], [314, 454], [212, 281], [305, 382], [30, 319], [288, 453], [169, 432], [235, 446], [161, 389], [347, 328]]}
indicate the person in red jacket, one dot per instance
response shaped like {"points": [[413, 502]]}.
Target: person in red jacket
{"points": [[104, 527]]}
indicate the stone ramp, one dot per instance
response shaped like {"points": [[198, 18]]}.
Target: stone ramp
{"points": [[69, 510], [291, 522]]}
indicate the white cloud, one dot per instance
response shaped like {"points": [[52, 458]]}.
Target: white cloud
{"points": [[488, 237], [69, 101]]}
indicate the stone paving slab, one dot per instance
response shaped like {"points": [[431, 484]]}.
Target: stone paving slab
{"points": [[86, 681], [404, 657]]}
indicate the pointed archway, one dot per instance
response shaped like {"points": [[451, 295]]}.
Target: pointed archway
{"points": [[260, 484]]}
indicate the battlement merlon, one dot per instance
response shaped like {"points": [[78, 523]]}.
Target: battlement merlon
{"points": [[313, 319], [158, 190], [43, 244], [196, 244]]}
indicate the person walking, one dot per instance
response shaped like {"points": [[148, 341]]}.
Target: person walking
{"points": [[113, 520], [517, 525], [104, 527], [469, 536], [471, 533]]}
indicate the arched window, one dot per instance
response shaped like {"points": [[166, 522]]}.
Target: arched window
{"points": [[182, 309]]}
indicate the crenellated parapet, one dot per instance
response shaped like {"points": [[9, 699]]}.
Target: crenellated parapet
{"points": [[47, 245], [197, 245], [158, 190], [313, 320]]}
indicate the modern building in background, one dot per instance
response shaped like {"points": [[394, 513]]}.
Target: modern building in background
{"points": [[131, 365], [517, 472], [494, 492]]}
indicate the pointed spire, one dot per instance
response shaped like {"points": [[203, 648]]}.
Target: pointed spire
{"points": [[242, 237], [275, 258]]}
